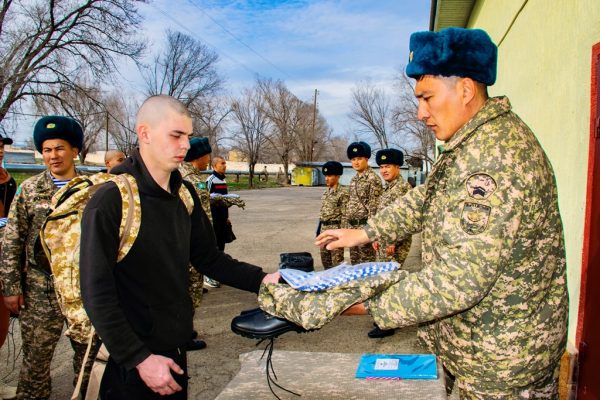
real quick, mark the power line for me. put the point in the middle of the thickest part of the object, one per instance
(239, 40)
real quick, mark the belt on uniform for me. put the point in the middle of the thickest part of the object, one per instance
(357, 222)
(330, 221)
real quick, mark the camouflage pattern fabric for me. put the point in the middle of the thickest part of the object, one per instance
(364, 191)
(333, 204)
(192, 175)
(312, 310)
(393, 190)
(41, 321)
(225, 201)
(492, 293)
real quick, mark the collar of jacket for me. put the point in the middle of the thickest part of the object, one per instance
(394, 182)
(46, 184)
(136, 167)
(365, 173)
(218, 175)
(493, 107)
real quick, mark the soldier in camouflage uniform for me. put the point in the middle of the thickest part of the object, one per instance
(196, 160)
(492, 294)
(28, 287)
(363, 198)
(333, 204)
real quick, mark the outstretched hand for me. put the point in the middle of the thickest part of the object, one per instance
(155, 371)
(338, 238)
(272, 278)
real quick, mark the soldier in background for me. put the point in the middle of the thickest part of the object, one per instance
(492, 296)
(112, 158)
(333, 204)
(28, 287)
(390, 161)
(196, 160)
(364, 191)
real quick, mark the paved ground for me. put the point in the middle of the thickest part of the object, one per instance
(274, 221)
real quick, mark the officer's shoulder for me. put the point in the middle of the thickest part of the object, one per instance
(33, 182)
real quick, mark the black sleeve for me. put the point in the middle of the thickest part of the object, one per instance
(98, 258)
(210, 261)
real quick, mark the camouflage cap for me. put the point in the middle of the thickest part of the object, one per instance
(359, 149)
(57, 127)
(389, 156)
(333, 168)
(453, 52)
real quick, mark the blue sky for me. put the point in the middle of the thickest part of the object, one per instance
(328, 45)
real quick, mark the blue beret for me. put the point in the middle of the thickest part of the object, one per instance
(359, 149)
(57, 127)
(389, 156)
(199, 147)
(333, 168)
(453, 52)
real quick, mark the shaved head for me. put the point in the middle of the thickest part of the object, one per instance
(110, 154)
(154, 109)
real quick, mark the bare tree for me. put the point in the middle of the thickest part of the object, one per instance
(418, 140)
(250, 133)
(312, 133)
(283, 110)
(82, 102)
(185, 70)
(122, 114)
(371, 111)
(45, 44)
(210, 117)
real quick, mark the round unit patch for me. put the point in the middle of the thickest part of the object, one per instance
(480, 186)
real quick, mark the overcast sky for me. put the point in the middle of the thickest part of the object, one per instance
(328, 45)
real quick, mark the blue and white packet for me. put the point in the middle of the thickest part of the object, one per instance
(320, 280)
(3, 222)
(397, 366)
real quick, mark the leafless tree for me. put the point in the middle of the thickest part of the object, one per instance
(185, 70)
(122, 113)
(418, 141)
(370, 110)
(282, 108)
(47, 44)
(82, 102)
(312, 134)
(336, 149)
(210, 117)
(251, 127)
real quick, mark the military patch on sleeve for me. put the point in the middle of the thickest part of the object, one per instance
(201, 185)
(480, 186)
(475, 217)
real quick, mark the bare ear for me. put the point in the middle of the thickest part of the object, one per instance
(468, 90)
(143, 133)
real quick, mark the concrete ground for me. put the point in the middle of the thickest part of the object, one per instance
(274, 221)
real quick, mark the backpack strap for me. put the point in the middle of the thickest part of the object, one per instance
(131, 211)
(186, 196)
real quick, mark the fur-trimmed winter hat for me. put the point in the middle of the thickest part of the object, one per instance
(389, 156)
(57, 127)
(359, 149)
(333, 168)
(453, 52)
(199, 147)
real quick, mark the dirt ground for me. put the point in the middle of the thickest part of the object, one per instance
(274, 221)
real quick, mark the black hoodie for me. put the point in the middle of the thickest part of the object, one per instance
(141, 305)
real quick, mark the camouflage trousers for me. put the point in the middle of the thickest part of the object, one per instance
(544, 388)
(402, 249)
(331, 258)
(41, 323)
(196, 285)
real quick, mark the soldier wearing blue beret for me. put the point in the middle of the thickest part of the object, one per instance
(491, 299)
(333, 205)
(59, 139)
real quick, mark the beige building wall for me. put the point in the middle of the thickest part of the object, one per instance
(544, 67)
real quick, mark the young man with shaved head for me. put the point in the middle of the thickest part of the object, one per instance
(140, 306)
(112, 158)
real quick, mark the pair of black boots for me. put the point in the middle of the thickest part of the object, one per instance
(256, 323)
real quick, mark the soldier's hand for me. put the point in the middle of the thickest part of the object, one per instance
(14, 304)
(390, 250)
(272, 278)
(356, 309)
(375, 246)
(155, 371)
(338, 238)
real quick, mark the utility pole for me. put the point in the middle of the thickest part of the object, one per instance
(312, 138)
(106, 131)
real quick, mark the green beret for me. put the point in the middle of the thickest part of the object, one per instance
(389, 156)
(453, 52)
(359, 149)
(57, 127)
(333, 168)
(199, 147)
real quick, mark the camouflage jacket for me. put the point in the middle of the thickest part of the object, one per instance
(492, 290)
(363, 200)
(393, 190)
(27, 214)
(333, 204)
(192, 175)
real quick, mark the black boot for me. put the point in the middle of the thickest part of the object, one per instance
(377, 332)
(260, 325)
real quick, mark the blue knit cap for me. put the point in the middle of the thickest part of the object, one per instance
(199, 147)
(453, 52)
